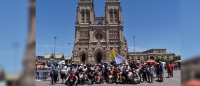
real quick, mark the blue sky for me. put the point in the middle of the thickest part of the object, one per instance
(190, 28)
(155, 23)
(13, 30)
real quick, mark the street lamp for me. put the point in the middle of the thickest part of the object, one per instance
(134, 46)
(55, 44)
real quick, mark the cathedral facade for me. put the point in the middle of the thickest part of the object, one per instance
(95, 36)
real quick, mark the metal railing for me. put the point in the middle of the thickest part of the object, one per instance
(42, 73)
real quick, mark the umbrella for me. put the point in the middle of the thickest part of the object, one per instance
(150, 61)
(62, 62)
(192, 83)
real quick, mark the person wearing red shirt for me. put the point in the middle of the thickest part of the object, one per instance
(170, 68)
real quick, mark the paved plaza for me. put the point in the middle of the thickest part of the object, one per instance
(175, 81)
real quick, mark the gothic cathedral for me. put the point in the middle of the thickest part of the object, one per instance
(96, 36)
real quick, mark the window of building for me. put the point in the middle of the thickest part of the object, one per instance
(115, 14)
(82, 17)
(87, 17)
(111, 17)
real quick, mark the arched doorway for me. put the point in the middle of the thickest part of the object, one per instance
(83, 58)
(152, 58)
(99, 57)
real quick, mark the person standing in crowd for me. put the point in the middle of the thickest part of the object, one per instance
(151, 72)
(62, 73)
(144, 73)
(170, 70)
(105, 72)
(161, 71)
(75, 68)
(56, 72)
(52, 75)
(53, 66)
(110, 77)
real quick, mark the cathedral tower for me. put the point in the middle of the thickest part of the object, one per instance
(95, 36)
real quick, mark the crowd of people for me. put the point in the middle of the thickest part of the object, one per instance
(124, 73)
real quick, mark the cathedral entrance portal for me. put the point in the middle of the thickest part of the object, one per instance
(99, 57)
(83, 58)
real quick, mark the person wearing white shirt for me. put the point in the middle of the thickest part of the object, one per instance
(136, 77)
(83, 78)
(84, 68)
(63, 73)
(130, 76)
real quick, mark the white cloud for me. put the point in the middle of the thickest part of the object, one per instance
(137, 49)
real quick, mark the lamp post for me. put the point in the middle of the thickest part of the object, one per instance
(134, 46)
(69, 51)
(55, 44)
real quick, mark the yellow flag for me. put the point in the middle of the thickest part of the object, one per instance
(113, 54)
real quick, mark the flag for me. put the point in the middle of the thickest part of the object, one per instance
(119, 59)
(113, 54)
(116, 57)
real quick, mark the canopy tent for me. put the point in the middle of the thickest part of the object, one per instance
(178, 61)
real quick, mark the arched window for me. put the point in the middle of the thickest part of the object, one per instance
(82, 17)
(83, 58)
(87, 17)
(115, 16)
(111, 17)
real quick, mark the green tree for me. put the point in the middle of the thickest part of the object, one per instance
(158, 59)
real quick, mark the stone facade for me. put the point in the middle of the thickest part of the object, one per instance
(190, 69)
(151, 54)
(96, 36)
